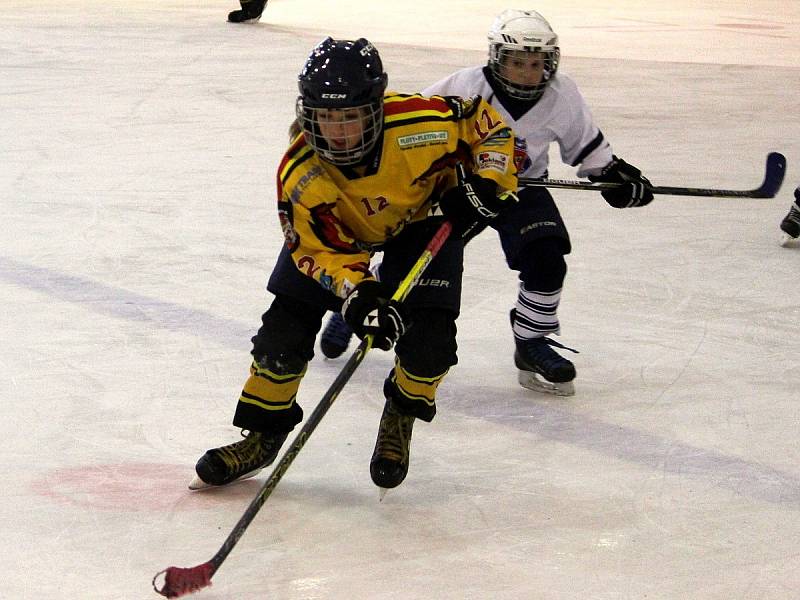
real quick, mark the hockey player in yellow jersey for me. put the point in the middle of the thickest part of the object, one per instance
(362, 175)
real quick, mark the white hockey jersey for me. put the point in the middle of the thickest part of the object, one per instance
(561, 115)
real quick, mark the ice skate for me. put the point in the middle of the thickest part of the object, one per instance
(249, 13)
(791, 222)
(335, 337)
(542, 369)
(389, 465)
(237, 461)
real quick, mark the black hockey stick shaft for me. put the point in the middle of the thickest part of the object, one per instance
(773, 178)
(179, 581)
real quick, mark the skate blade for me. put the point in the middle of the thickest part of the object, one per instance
(197, 484)
(788, 240)
(530, 381)
(382, 493)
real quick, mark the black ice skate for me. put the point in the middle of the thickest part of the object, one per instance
(389, 464)
(335, 337)
(791, 223)
(542, 369)
(240, 460)
(250, 12)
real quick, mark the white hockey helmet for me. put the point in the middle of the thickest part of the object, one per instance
(526, 31)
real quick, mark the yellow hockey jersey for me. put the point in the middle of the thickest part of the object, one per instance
(333, 218)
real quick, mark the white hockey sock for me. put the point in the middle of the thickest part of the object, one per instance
(537, 314)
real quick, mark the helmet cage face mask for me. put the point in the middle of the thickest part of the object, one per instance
(515, 31)
(352, 132)
(501, 53)
(340, 107)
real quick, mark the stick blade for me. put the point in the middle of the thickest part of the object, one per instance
(179, 581)
(773, 178)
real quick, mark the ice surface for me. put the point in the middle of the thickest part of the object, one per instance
(138, 147)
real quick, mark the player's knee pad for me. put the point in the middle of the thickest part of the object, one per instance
(289, 329)
(543, 267)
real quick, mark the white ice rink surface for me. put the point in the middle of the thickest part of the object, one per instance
(138, 147)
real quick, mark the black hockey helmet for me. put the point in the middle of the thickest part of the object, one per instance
(342, 74)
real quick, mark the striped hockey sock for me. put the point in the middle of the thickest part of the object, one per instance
(536, 314)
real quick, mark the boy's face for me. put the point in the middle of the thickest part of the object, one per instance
(521, 67)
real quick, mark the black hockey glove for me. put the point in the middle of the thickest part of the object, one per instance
(473, 203)
(369, 310)
(634, 192)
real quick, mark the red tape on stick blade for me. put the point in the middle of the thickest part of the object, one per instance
(179, 582)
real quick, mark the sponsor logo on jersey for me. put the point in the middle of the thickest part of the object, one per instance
(429, 138)
(494, 161)
(302, 184)
(498, 138)
(500, 134)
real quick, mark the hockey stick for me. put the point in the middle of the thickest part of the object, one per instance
(773, 178)
(180, 581)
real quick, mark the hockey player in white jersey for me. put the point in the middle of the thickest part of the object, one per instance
(521, 81)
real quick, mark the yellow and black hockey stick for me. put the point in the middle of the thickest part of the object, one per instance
(179, 581)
